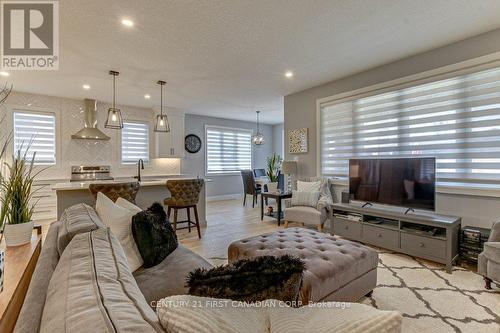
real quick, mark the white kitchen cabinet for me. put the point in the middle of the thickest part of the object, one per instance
(171, 145)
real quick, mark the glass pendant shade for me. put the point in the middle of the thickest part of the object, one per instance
(114, 120)
(161, 124)
(258, 139)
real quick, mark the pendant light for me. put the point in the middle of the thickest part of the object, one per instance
(258, 139)
(114, 120)
(162, 124)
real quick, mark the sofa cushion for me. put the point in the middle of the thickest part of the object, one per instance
(250, 280)
(154, 235)
(304, 213)
(31, 313)
(191, 314)
(168, 277)
(92, 289)
(76, 219)
(118, 217)
(309, 199)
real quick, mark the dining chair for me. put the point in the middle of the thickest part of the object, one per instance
(259, 172)
(249, 186)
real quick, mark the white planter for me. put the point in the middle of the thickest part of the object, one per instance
(272, 187)
(18, 234)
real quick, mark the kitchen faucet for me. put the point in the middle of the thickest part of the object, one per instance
(140, 166)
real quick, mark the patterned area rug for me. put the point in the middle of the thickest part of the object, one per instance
(432, 300)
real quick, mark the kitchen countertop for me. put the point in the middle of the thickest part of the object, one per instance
(157, 181)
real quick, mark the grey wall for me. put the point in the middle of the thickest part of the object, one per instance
(194, 164)
(278, 143)
(300, 111)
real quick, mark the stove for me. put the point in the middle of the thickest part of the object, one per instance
(84, 173)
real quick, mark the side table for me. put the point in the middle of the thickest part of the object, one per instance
(278, 196)
(20, 262)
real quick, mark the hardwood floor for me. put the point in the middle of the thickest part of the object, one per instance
(227, 221)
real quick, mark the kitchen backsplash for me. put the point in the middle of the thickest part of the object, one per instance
(82, 152)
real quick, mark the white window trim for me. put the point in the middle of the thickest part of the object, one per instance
(441, 73)
(147, 165)
(11, 109)
(236, 173)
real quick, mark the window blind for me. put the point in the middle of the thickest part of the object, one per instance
(135, 142)
(456, 120)
(228, 150)
(38, 132)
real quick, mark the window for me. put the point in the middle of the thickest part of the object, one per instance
(229, 150)
(135, 142)
(457, 120)
(36, 130)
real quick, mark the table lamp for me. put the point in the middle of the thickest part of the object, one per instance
(289, 168)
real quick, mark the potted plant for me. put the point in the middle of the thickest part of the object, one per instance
(273, 168)
(17, 199)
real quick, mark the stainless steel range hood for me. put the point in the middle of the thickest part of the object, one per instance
(90, 131)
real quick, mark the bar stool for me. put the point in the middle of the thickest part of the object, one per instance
(127, 191)
(185, 194)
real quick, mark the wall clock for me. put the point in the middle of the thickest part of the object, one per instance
(192, 143)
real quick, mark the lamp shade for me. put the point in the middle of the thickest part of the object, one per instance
(289, 167)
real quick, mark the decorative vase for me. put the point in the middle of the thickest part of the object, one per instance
(272, 187)
(2, 269)
(18, 234)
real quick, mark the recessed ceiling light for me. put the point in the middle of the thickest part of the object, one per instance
(86, 87)
(147, 96)
(4, 74)
(289, 74)
(127, 23)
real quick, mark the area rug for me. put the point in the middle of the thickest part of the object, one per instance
(432, 300)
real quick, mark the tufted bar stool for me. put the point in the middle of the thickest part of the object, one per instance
(185, 194)
(127, 191)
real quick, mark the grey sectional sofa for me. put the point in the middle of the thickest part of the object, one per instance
(166, 279)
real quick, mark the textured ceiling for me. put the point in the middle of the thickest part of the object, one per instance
(227, 58)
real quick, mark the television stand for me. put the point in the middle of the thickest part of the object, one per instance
(426, 235)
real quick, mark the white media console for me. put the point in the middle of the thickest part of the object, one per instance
(425, 235)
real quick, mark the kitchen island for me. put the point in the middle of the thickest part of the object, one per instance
(151, 190)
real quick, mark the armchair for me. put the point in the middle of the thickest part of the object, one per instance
(316, 216)
(489, 260)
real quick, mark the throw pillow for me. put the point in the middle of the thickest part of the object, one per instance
(305, 198)
(308, 186)
(154, 235)
(118, 217)
(191, 314)
(250, 280)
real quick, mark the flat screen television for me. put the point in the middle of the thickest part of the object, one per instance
(406, 182)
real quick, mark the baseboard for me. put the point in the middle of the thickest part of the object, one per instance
(224, 197)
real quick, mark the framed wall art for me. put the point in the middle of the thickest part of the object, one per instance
(297, 141)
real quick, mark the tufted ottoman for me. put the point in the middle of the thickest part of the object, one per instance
(336, 269)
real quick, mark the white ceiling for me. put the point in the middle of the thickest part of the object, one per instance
(227, 58)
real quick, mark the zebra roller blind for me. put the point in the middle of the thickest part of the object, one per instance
(229, 150)
(135, 142)
(456, 120)
(36, 130)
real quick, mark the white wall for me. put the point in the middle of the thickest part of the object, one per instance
(300, 111)
(83, 152)
(194, 164)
